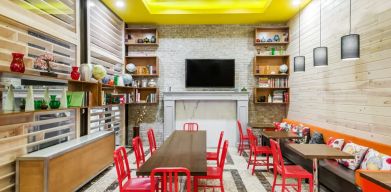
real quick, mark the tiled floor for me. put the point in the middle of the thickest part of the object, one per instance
(236, 176)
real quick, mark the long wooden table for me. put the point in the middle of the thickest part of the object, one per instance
(182, 149)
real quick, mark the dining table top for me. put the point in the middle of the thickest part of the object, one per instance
(182, 149)
(261, 126)
(319, 151)
(280, 135)
(382, 179)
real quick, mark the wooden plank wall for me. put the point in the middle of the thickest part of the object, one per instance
(352, 97)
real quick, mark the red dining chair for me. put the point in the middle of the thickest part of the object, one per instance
(214, 172)
(151, 140)
(288, 171)
(138, 151)
(190, 127)
(215, 155)
(172, 173)
(125, 182)
(242, 139)
(256, 150)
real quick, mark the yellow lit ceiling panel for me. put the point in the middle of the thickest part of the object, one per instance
(205, 11)
(206, 6)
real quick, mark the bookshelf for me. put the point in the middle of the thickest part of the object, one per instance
(146, 62)
(272, 86)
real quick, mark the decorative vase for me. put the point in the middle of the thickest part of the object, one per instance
(152, 83)
(63, 100)
(46, 96)
(75, 75)
(9, 102)
(86, 72)
(54, 104)
(153, 39)
(17, 64)
(136, 131)
(30, 99)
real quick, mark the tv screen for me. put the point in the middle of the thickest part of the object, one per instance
(210, 73)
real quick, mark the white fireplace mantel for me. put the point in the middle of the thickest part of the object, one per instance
(170, 98)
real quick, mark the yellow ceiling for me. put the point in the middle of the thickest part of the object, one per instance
(205, 11)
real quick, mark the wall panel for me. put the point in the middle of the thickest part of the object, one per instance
(353, 97)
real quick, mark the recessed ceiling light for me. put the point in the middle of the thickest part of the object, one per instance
(91, 4)
(119, 3)
(296, 2)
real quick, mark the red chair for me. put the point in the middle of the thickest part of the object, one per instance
(215, 155)
(242, 139)
(288, 171)
(190, 127)
(172, 173)
(138, 151)
(151, 140)
(214, 172)
(256, 150)
(125, 182)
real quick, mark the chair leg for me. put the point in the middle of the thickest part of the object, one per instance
(222, 184)
(241, 147)
(274, 181)
(254, 162)
(195, 184)
(249, 160)
(299, 185)
(267, 162)
(283, 184)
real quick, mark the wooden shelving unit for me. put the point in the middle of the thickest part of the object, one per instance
(147, 65)
(267, 36)
(266, 68)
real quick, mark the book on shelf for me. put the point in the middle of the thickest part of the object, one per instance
(278, 96)
(78, 99)
(265, 82)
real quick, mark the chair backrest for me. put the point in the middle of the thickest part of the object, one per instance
(151, 140)
(278, 160)
(170, 175)
(223, 155)
(190, 127)
(138, 151)
(240, 128)
(219, 144)
(251, 137)
(121, 165)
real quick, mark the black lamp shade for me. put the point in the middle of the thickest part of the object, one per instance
(299, 64)
(350, 47)
(320, 57)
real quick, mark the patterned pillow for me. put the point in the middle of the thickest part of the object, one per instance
(376, 161)
(335, 143)
(358, 151)
(285, 126)
(277, 125)
(317, 138)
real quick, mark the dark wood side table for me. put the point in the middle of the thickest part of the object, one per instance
(316, 152)
(280, 135)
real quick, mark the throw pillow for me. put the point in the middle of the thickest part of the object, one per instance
(376, 161)
(358, 151)
(335, 143)
(277, 125)
(317, 138)
(285, 126)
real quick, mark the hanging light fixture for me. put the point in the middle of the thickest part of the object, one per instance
(350, 44)
(320, 53)
(299, 61)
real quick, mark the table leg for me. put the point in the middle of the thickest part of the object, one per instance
(315, 174)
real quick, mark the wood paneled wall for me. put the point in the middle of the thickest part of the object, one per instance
(352, 97)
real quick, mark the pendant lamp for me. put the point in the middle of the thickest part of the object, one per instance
(299, 61)
(320, 53)
(350, 44)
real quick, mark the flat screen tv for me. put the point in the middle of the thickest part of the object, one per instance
(210, 73)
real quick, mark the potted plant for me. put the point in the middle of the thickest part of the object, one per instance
(44, 105)
(140, 118)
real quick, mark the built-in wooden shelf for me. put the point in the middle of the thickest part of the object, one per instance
(271, 55)
(266, 33)
(268, 103)
(271, 75)
(272, 88)
(142, 44)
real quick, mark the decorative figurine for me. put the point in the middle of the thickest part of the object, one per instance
(276, 38)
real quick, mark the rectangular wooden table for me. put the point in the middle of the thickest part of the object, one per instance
(316, 152)
(182, 149)
(382, 179)
(280, 135)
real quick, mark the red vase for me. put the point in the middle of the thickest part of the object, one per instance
(75, 73)
(17, 64)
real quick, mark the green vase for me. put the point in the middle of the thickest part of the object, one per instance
(54, 104)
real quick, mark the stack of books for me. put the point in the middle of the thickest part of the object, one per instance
(151, 98)
(265, 82)
(278, 96)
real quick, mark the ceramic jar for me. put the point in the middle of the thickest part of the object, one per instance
(75, 75)
(17, 64)
(152, 83)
